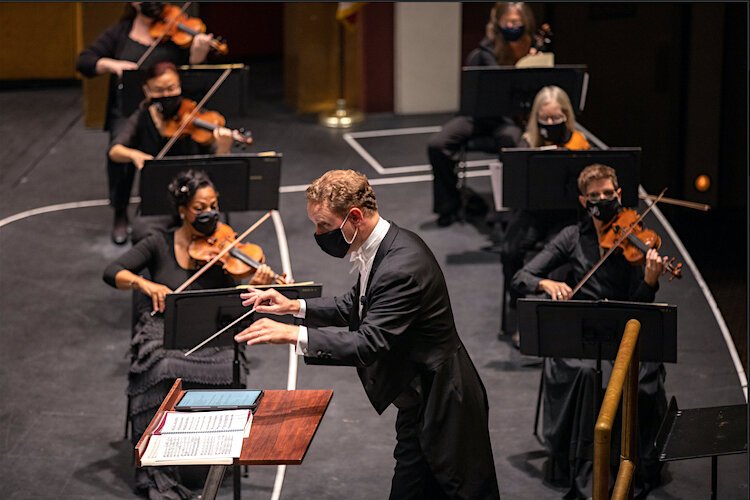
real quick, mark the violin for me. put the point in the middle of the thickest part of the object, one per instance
(173, 24)
(241, 261)
(638, 241)
(202, 125)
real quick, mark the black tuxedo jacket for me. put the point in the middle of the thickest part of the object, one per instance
(406, 350)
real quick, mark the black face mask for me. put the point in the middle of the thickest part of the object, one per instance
(334, 242)
(167, 106)
(604, 210)
(556, 134)
(512, 34)
(206, 222)
(152, 9)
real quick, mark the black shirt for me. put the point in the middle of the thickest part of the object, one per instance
(578, 245)
(156, 253)
(141, 133)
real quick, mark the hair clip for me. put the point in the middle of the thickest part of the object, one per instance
(184, 189)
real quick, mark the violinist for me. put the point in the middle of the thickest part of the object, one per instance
(118, 49)
(569, 384)
(166, 258)
(145, 132)
(508, 38)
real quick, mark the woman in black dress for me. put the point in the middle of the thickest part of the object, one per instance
(153, 369)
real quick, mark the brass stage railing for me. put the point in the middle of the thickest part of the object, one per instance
(624, 376)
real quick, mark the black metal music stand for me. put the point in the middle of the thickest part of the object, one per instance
(592, 329)
(231, 99)
(492, 91)
(703, 432)
(192, 316)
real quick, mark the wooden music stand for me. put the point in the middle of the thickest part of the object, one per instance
(283, 428)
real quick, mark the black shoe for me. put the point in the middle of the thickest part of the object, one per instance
(120, 231)
(446, 220)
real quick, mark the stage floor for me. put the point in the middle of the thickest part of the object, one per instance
(64, 333)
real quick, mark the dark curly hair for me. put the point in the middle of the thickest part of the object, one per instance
(184, 186)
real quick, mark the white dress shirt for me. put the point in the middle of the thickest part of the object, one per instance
(362, 260)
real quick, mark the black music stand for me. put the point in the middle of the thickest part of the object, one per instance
(537, 179)
(231, 99)
(245, 181)
(702, 432)
(592, 329)
(192, 316)
(491, 92)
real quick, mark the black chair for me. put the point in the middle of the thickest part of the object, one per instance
(483, 144)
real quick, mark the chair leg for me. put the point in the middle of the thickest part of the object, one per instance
(127, 419)
(539, 403)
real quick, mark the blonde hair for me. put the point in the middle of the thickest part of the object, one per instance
(503, 54)
(544, 96)
(342, 190)
(596, 172)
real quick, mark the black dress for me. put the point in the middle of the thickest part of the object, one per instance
(570, 384)
(154, 369)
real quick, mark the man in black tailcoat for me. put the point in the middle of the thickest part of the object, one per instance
(401, 337)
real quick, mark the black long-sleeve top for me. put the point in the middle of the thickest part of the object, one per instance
(578, 245)
(114, 43)
(156, 253)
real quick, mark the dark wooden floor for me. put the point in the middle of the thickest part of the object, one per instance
(64, 333)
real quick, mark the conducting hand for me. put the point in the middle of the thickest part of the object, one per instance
(269, 301)
(654, 267)
(268, 331)
(556, 289)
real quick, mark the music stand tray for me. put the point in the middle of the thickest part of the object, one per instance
(191, 316)
(702, 432)
(592, 329)
(491, 92)
(245, 181)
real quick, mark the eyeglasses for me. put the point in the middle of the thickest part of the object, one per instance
(607, 194)
(552, 120)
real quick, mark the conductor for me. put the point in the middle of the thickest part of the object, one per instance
(401, 337)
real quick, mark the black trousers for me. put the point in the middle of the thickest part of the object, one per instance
(442, 147)
(119, 175)
(412, 477)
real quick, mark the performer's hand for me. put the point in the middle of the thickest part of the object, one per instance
(139, 158)
(200, 47)
(155, 291)
(263, 276)
(269, 301)
(223, 140)
(114, 66)
(268, 331)
(556, 289)
(654, 267)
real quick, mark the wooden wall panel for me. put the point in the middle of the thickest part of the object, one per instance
(39, 40)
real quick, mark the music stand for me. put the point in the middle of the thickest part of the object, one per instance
(537, 179)
(231, 99)
(702, 432)
(592, 329)
(491, 92)
(244, 181)
(192, 316)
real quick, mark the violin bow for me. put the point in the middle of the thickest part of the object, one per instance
(158, 40)
(617, 242)
(223, 252)
(187, 119)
